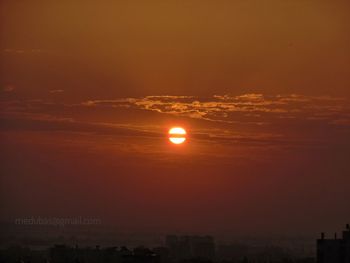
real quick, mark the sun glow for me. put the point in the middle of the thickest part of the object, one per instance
(177, 135)
(177, 140)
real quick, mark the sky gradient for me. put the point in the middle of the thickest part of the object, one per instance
(89, 89)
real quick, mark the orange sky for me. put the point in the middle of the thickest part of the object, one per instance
(89, 89)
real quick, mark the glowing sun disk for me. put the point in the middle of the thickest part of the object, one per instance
(177, 140)
(177, 130)
(177, 135)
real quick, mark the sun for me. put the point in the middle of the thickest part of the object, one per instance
(177, 135)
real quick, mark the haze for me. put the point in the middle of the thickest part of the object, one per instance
(89, 90)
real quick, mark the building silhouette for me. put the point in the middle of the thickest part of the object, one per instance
(187, 247)
(67, 254)
(335, 250)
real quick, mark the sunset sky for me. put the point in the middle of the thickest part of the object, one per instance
(89, 89)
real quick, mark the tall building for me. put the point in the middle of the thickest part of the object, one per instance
(336, 250)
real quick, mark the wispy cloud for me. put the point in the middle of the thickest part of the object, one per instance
(250, 119)
(23, 51)
(230, 109)
(54, 91)
(8, 88)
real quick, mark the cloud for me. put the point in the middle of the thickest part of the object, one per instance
(45, 123)
(255, 120)
(23, 51)
(255, 109)
(230, 109)
(54, 91)
(8, 88)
